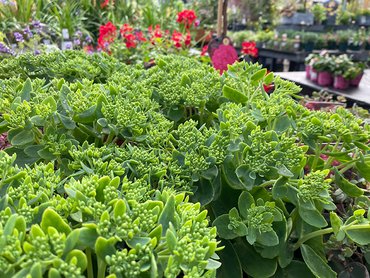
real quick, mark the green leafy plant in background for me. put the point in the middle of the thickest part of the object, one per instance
(122, 161)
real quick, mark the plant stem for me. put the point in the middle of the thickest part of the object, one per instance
(311, 235)
(90, 270)
(101, 268)
(328, 231)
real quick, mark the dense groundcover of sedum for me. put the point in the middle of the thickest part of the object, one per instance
(119, 171)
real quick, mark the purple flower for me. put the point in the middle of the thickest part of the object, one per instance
(78, 34)
(7, 2)
(5, 49)
(27, 31)
(76, 42)
(88, 39)
(4, 143)
(18, 37)
(68, 45)
(37, 26)
(37, 52)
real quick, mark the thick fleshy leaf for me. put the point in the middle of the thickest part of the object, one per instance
(234, 95)
(52, 219)
(252, 263)
(316, 264)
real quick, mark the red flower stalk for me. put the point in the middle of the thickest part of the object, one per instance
(186, 17)
(104, 4)
(249, 48)
(204, 50)
(187, 39)
(130, 40)
(107, 35)
(155, 34)
(177, 38)
(140, 36)
(126, 28)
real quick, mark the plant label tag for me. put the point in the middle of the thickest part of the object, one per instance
(65, 34)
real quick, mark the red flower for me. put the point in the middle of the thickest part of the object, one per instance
(107, 34)
(223, 56)
(155, 34)
(126, 28)
(140, 36)
(204, 50)
(186, 17)
(130, 40)
(188, 39)
(249, 48)
(177, 38)
(268, 88)
(104, 4)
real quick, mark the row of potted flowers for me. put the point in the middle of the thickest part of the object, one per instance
(337, 71)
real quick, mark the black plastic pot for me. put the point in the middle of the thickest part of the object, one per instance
(332, 45)
(308, 46)
(343, 46)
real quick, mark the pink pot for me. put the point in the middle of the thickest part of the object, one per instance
(308, 71)
(340, 83)
(324, 78)
(356, 81)
(313, 75)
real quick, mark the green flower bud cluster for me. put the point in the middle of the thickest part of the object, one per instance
(267, 149)
(315, 186)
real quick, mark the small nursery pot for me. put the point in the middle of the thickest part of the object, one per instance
(340, 82)
(308, 71)
(313, 75)
(324, 78)
(356, 81)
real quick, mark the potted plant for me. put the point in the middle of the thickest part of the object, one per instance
(324, 67)
(341, 78)
(308, 41)
(310, 59)
(319, 13)
(354, 74)
(342, 40)
(331, 41)
(363, 17)
(344, 17)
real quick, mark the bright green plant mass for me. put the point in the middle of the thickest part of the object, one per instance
(174, 171)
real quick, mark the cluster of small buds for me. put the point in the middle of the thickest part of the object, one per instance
(69, 270)
(130, 263)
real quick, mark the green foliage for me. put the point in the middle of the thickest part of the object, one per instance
(110, 172)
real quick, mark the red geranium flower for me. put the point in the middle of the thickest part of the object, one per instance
(155, 34)
(126, 28)
(204, 50)
(140, 36)
(107, 34)
(188, 39)
(177, 38)
(104, 4)
(249, 48)
(130, 40)
(186, 17)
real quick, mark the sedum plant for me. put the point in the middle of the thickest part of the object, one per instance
(129, 160)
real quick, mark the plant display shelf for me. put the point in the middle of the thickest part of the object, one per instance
(269, 57)
(359, 95)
